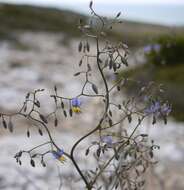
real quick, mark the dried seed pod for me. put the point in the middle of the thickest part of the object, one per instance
(118, 14)
(87, 152)
(25, 108)
(89, 67)
(40, 132)
(20, 163)
(80, 21)
(4, 123)
(110, 113)
(37, 103)
(55, 89)
(32, 162)
(62, 105)
(110, 122)
(64, 112)
(154, 120)
(10, 126)
(43, 118)
(43, 163)
(70, 112)
(95, 89)
(114, 66)
(110, 64)
(129, 118)
(28, 133)
(99, 60)
(80, 47)
(118, 88)
(124, 61)
(34, 156)
(80, 62)
(27, 96)
(87, 46)
(98, 152)
(55, 122)
(91, 4)
(76, 74)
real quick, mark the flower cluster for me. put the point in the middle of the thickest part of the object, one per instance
(59, 155)
(166, 109)
(158, 109)
(107, 139)
(76, 103)
(150, 48)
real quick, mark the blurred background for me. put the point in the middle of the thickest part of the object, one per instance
(38, 49)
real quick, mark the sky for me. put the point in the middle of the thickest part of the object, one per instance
(166, 12)
(70, 2)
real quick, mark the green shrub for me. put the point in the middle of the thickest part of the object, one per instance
(168, 50)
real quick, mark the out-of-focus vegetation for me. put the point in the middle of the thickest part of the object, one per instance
(137, 34)
(22, 17)
(27, 18)
(165, 65)
(168, 50)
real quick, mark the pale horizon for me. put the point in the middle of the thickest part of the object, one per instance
(165, 12)
(52, 2)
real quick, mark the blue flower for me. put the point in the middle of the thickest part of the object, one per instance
(156, 47)
(76, 105)
(153, 108)
(107, 140)
(59, 155)
(76, 102)
(166, 109)
(147, 49)
(158, 110)
(153, 47)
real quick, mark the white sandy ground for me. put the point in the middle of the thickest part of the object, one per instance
(47, 63)
(15, 177)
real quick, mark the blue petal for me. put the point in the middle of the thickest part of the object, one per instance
(76, 102)
(107, 140)
(60, 152)
(55, 154)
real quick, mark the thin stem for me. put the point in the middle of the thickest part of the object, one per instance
(98, 127)
(120, 147)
